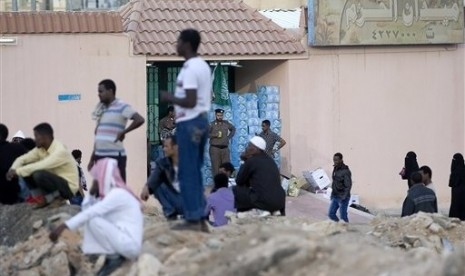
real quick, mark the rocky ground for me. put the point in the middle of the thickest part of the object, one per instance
(424, 244)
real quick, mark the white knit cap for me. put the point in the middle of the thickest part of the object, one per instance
(19, 134)
(259, 142)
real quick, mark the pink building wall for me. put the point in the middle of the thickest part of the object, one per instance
(373, 105)
(40, 67)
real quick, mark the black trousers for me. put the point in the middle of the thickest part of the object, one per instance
(245, 199)
(49, 183)
(121, 159)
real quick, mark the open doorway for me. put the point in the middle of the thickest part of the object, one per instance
(161, 76)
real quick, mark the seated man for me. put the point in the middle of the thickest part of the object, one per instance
(163, 181)
(258, 181)
(228, 169)
(111, 216)
(9, 189)
(419, 198)
(49, 169)
(220, 201)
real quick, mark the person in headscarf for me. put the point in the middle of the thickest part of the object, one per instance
(111, 216)
(457, 183)
(410, 166)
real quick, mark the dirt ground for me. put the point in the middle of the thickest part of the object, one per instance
(424, 244)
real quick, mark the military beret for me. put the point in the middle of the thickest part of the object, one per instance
(219, 110)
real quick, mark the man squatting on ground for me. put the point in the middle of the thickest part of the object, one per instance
(49, 170)
(112, 218)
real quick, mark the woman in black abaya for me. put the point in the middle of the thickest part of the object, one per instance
(457, 183)
(410, 166)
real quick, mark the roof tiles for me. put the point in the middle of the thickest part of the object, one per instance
(60, 22)
(227, 27)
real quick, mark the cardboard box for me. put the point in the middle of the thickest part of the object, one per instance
(318, 178)
(354, 199)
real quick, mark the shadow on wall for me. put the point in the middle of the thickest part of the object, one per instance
(313, 157)
(254, 73)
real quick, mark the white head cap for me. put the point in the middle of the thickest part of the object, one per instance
(259, 142)
(19, 134)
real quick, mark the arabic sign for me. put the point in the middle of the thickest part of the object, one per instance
(384, 22)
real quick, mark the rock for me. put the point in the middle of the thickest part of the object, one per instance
(147, 265)
(33, 257)
(214, 244)
(30, 272)
(58, 247)
(17, 221)
(325, 228)
(453, 265)
(36, 225)
(435, 228)
(56, 265)
(165, 240)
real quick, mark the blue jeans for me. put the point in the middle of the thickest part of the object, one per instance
(191, 137)
(76, 199)
(170, 201)
(342, 205)
(24, 190)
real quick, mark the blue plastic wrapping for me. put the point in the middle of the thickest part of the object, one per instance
(269, 115)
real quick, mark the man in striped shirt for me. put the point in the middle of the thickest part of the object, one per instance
(112, 115)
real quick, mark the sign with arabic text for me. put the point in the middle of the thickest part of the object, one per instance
(384, 22)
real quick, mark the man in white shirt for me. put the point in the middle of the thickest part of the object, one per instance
(111, 216)
(192, 100)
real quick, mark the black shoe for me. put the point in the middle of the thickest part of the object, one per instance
(112, 263)
(172, 217)
(196, 225)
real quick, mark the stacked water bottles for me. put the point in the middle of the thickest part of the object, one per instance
(246, 113)
(268, 104)
(246, 121)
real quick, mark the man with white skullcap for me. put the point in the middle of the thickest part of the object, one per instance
(18, 137)
(258, 181)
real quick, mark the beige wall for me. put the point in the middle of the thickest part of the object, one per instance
(255, 73)
(373, 105)
(40, 67)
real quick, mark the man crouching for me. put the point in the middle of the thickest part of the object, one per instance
(111, 216)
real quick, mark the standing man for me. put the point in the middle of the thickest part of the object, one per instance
(221, 132)
(112, 115)
(167, 125)
(271, 138)
(342, 184)
(192, 100)
(49, 169)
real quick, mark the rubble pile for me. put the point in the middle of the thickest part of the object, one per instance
(430, 231)
(423, 244)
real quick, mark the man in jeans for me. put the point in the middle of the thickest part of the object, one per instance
(342, 184)
(192, 100)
